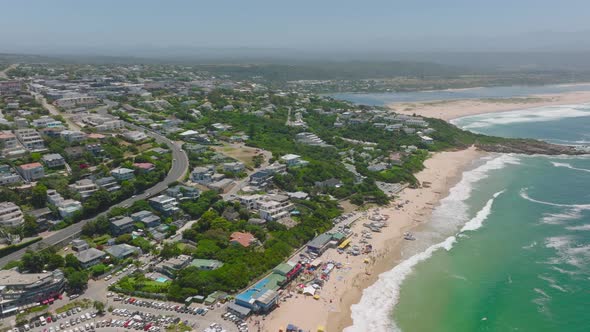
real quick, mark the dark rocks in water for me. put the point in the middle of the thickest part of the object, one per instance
(530, 147)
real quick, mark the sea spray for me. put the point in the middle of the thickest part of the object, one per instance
(372, 313)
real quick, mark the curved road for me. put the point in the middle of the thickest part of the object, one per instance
(179, 168)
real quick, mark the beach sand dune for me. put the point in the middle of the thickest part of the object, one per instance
(448, 110)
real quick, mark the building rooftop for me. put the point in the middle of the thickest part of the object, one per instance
(30, 166)
(90, 254)
(244, 239)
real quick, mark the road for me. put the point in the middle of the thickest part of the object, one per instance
(53, 110)
(3, 72)
(179, 168)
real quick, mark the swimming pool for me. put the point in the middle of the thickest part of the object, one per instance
(161, 279)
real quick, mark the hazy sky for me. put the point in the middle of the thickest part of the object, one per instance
(78, 25)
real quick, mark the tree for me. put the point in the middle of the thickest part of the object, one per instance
(30, 226)
(33, 262)
(39, 196)
(170, 250)
(77, 280)
(55, 261)
(72, 262)
(99, 306)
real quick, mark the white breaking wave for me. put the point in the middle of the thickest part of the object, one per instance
(566, 165)
(373, 311)
(539, 114)
(560, 218)
(567, 252)
(524, 195)
(579, 228)
(481, 216)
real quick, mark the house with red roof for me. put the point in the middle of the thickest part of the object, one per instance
(144, 167)
(32, 171)
(243, 239)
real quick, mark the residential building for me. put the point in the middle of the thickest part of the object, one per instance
(72, 136)
(135, 136)
(90, 257)
(221, 186)
(183, 192)
(121, 225)
(95, 149)
(24, 290)
(8, 175)
(123, 250)
(68, 207)
(31, 172)
(46, 122)
(426, 139)
(76, 101)
(206, 264)
(171, 266)
(8, 141)
(30, 139)
(164, 204)
(144, 167)
(330, 183)
(10, 87)
(149, 219)
(122, 174)
(293, 160)
(243, 239)
(108, 183)
(202, 175)
(53, 160)
(84, 187)
(10, 215)
(79, 245)
(235, 167)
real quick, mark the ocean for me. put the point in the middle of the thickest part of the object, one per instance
(382, 99)
(507, 250)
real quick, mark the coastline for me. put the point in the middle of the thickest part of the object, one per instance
(452, 109)
(333, 310)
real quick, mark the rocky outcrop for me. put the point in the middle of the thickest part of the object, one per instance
(530, 147)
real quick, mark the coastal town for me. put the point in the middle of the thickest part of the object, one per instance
(129, 186)
(163, 197)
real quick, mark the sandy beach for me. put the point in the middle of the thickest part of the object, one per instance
(344, 288)
(448, 110)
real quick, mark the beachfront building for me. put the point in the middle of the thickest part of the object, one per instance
(10, 215)
(20, 290)
(321, 243)
(260, 298)
(31, 172)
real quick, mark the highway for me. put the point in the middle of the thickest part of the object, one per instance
(179, 168)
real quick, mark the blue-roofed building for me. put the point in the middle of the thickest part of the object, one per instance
(263, 296)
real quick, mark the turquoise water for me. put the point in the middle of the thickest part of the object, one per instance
(507, 250)
(381, 99)
(161, 279)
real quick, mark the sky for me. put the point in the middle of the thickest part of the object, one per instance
(128, 26)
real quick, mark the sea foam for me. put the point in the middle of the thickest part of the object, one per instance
(373, 311)
(538, 114)
(566, 165)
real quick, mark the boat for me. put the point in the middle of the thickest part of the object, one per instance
(409, 236)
